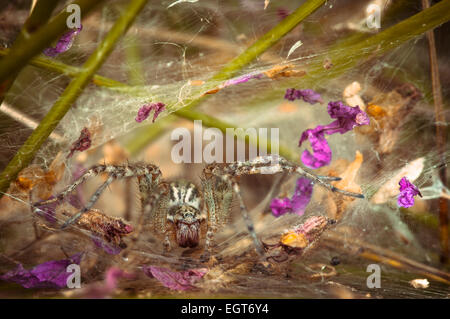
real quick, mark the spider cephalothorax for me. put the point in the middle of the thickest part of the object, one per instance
(184, 212)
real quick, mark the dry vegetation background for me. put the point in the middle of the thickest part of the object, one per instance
(164, 51)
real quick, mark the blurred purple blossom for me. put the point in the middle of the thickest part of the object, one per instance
(296, 205)
(407, 192)
(64, 43)
(108, 286)
(308, 95)
(145, 110)
(51, 274)
(175, 280)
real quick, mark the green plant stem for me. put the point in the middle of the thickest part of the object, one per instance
(346, 57)
(38, 17)
(39, 40)
(210, 121)
(267, 40)
(68, 70)
(26, 153)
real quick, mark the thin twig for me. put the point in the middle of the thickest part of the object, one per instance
(25, 120)
(441, 136)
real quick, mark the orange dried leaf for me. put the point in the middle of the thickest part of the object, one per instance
(294, 240)
(196, 82)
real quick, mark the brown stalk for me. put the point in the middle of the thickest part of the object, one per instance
(372, 252)
(441, 136)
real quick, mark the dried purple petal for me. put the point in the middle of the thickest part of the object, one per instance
(64, 43)
(296, 205)
(182, 280)
(291, 94)
(242, 79)
(302, 195)
(308, 95)
(282, 13)
(82, 143)
(407, 192)
(145, 110)
(280, 206)
(321, 155)
(51, 274)
(107, 247)
(47, 211)
(347, 118)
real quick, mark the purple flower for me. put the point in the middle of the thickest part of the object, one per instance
(145, 110)
(280, 206)
(407, 193)
(182, 280)
(321, 155)
(291, 94)
(51, 274)
(64, 43)
(347, 118)
(308, 95)
(296, 205)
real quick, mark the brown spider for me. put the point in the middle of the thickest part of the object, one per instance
(180, 208)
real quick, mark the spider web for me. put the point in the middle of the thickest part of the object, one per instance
(164, 52)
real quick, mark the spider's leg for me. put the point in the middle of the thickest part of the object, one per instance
(150, 194)
(211, 208)
(91, 202)
(148, 174)
(93, 171)
(319, 181)
(272, 164)
(248, 220)
(329, 178)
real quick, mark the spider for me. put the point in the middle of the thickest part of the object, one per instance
(179, 209)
